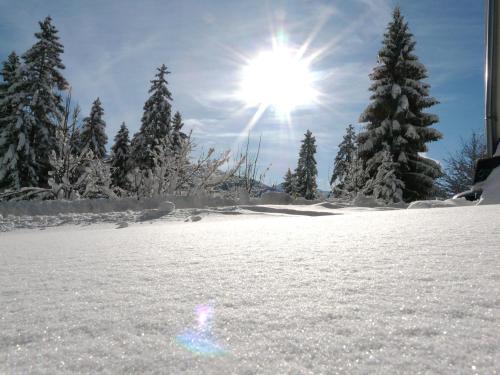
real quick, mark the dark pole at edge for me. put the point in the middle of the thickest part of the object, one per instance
(492, 78)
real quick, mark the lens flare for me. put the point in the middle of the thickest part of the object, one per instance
(200, 339)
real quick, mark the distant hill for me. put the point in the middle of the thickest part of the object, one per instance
(258, 188)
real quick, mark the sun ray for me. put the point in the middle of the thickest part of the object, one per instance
(248, 128)
(305, 46)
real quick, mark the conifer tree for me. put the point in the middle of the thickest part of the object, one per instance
(155, 122)
(396, 119)
(18, 162)
(9, 70)
(176, 134)
(306, 171)
(288, 184)
(343, 165)
(43, 83)
(120, 158)
(387, 186)
(93, 135)
(355, 180)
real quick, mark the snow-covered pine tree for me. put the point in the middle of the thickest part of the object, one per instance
(18, 159)
(155, 122)
(43, 83)
(120, 158)
(387, 186)
(289, 183)
(93, 135)
(306, 171)
(177, 136)
(396, 118)
(9, 70)
(355, 180)
(342, 167)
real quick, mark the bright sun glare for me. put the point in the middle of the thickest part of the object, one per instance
(280, 79)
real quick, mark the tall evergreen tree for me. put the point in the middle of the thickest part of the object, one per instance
(289, 183)
(155, 122)
(18, 164)
(93, 134)
(395, 118)
(120, 158)
(43, 83)
(342, 167)
(306, 171)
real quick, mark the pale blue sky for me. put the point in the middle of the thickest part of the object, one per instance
(113, 47)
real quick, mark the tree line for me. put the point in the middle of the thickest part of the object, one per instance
(46, 151)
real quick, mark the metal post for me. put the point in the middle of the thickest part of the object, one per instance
(492, 77)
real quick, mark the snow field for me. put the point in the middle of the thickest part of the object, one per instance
(361, 292)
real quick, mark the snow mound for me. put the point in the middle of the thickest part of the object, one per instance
(56, 207)
(490, 195)
(491, 188)
(275, 197)
(363, 201)
(286, 211)
(332, 205)
(305, 202)
(193, 218)
(437, 203)
(163, 209)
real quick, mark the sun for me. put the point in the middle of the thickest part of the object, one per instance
(278, 78)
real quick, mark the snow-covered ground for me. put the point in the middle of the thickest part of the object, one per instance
(362, 291)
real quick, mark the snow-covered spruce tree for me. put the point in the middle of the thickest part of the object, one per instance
(387, 187)
(395, 117)
(93, 135)
(176, 135)
(289, 183)
(120, 158)
(18, 159)
(343, 165)
(460, 166)
(355, 180)
(8, 73)
(9, 70)
(155, 122)
(306, 171)
(43, 83)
